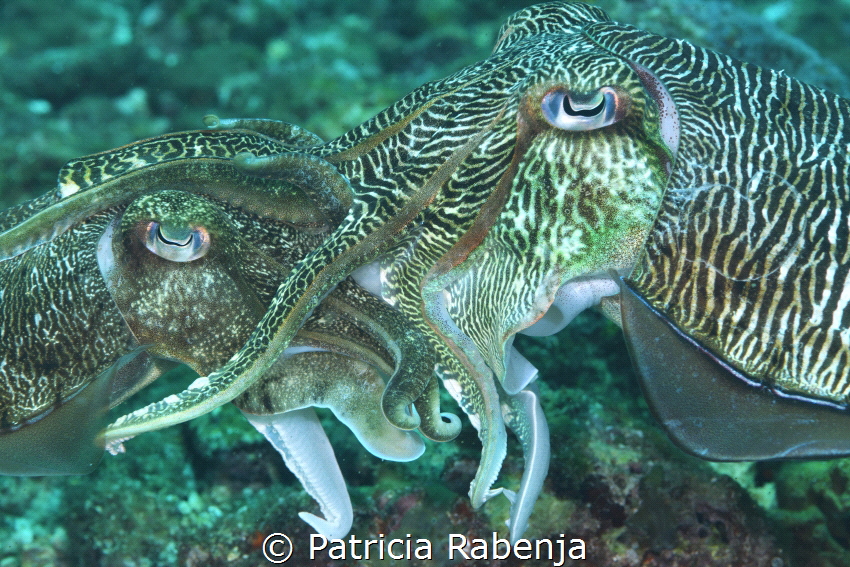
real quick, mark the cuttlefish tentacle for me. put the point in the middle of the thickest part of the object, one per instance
(400, 395)
(521, 413)
(474, 390)
(470, 382)
(299, 438)
(481, 404)
(524, 416)
(435, 425)
(352, 390)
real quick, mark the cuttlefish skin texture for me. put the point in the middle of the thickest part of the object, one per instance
(481, 181)
(159, 276)
(199, 311)
(47, 302)
(584, 161)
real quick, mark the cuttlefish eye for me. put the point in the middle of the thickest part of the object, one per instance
(568, 110)
(178, 244)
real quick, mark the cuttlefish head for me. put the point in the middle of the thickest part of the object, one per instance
(192, 277)
(589, 148)
(170, 263)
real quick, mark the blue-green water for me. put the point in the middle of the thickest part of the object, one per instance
(91, 76)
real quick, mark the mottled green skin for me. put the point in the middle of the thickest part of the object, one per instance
(48, 301)
(79, 298)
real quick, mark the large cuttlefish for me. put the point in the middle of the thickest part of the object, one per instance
(700, 201)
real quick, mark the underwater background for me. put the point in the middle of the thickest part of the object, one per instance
(86, 76)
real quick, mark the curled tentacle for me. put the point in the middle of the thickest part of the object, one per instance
(435, 425)
(399, 397)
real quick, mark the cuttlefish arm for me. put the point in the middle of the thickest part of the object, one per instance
(352, 389)
(472, 387)
(200, 160)
(279, 405)
(349, 387)
(408, 348)
(287, 133)
(300, 439)
(524, 416)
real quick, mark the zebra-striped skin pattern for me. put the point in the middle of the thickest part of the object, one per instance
(480, 208)
(750, 253)
(580, 152)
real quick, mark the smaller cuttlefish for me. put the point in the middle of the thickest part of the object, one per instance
(181, 272)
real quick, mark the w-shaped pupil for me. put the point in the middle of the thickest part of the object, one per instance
(583, 111)
(165, 240)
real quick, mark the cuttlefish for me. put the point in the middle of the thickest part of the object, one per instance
(181, 272)
(700, 202)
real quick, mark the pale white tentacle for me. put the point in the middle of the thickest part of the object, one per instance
(300, 439)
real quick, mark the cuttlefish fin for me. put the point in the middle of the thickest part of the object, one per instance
(284, 132)
(68, 439)
(714, 411)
